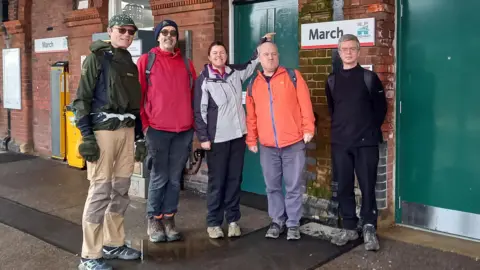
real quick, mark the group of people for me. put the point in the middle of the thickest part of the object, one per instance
(126, 112)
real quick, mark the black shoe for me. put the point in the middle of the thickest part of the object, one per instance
(370, 238)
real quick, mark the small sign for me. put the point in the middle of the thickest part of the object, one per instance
(326, 35)
(12, 88)
(369, 67)
(51, 45)
(244, 97)
(136, 48)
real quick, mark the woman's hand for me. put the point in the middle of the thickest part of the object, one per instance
(269, 36)
(205, 145)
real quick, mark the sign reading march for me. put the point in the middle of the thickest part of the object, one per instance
(326, 35)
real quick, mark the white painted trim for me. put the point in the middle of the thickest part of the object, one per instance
(231, 32)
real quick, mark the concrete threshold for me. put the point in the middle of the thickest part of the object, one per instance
(433, 240)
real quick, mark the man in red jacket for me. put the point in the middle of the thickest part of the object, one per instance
(167, 80)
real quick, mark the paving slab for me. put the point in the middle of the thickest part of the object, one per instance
(20, 251)
(402, 256)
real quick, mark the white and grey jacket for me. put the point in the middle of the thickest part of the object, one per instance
(219, 114)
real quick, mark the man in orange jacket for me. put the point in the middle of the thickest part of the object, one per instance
(280, 116)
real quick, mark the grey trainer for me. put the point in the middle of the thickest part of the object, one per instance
(170, 231)
(342, 237)
(274, 231)
(155, 230)
(370, 238)
(293, 233)
(97, 264)
(122, 253)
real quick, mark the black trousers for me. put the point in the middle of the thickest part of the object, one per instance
(225, 166)
(364, 162)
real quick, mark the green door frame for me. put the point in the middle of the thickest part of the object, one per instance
(398, 20)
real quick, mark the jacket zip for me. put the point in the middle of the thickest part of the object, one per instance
(271, 114)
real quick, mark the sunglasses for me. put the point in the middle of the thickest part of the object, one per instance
(124, 30)
(165, 33)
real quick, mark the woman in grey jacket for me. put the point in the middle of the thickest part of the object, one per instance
(221, 127)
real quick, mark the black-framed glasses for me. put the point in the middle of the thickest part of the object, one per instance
(173, 33)
(124, 30)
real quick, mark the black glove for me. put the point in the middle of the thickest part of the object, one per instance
(88, 149)
(140, 151)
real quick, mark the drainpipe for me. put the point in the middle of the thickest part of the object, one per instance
(7, 139)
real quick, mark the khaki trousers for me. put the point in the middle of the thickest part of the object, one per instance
(108, 198)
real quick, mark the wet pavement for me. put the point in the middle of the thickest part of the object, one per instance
(56, 194)
(397, 255)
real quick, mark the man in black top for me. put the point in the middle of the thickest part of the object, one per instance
(357, 105)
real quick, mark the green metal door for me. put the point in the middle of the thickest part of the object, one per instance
(252, 21)
(439, 116)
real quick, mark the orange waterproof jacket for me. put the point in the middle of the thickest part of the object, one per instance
(278, 115)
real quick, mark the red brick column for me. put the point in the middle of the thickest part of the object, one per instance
(382, 57)
(21, 120)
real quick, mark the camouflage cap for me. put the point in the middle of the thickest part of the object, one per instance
(121, 20)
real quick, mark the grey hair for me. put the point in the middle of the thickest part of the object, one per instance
(349, 37)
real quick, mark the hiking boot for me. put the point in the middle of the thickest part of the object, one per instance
(122, 253)
(170, 230)
(274, 231)
(293, 233)
(234, 230)
(342, 237)
(95, 264)
(215, 232)
(370, 238)
(155, 230)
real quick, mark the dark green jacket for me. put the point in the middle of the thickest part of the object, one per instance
(108, 84)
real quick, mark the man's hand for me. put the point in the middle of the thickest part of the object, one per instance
(140, 151)
(269, 36)
(253, 149)
(145, 131)
(88, 149)
(307, 137)
(206, 145)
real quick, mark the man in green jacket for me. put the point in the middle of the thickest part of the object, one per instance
(107, 112)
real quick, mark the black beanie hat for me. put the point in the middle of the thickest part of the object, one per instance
(163, 24)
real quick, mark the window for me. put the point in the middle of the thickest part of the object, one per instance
(139, 10)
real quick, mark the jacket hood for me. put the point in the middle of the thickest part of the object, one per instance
(207, 71)
(100, 45)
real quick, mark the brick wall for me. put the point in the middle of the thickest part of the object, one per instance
(315, 66)
(52, 16)
(195, 15)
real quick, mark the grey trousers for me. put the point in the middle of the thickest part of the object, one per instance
(289, 163)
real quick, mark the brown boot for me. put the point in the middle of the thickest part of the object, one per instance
(170, 231)
(156, 231)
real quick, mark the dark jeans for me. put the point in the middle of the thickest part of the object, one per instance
(169, 153)
(225, 166)
(364, 162)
